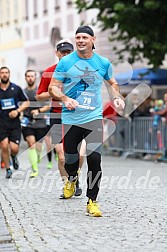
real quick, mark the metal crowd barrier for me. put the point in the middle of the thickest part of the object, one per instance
(120, 139)
(139, 135)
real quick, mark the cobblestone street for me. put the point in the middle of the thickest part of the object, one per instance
(132, 199)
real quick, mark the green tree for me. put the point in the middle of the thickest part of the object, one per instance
(141, 26)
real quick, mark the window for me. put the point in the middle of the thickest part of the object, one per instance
(69, 3)
(70, 24)
(57, 5)
(45, 29)
(26, 9)
(45, 6)
(1, 14)
(83, 17)
(15, 10)
(18, 31)
(7, 2)
(58, 22)
(55, 35)
(35, 8)
(2, 62)
(1, 10)
(27, 34)
(36, 32)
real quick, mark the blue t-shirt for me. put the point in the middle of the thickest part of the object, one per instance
(82, 80)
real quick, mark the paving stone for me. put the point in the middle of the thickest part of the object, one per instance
(132, 198)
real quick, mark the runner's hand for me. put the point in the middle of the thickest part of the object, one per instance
(35, 112)
(13, 113)
(119, 103)
(70, 103)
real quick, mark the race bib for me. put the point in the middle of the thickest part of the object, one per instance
(8, 103)
(86, 100)
(47, 118)
(24, 121)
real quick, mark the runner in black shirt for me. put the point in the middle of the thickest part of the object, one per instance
(10, 109)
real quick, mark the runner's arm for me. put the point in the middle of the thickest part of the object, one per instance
(55, 91)
(23, 106)
(161, 112)
(44, 96)
(43, 109)
(114, 92)
(16, 112)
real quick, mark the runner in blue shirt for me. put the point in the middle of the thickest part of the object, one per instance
(77, 82)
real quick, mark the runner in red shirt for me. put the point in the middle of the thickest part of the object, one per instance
(64, 47)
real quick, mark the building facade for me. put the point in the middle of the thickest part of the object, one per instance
(12, 52)
(30, 29)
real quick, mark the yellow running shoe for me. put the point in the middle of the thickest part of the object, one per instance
(69, 189)
(92, 209)
(33, 174)
(78, 172)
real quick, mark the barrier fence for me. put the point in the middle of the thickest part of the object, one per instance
(140, 135)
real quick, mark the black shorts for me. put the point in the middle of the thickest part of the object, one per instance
(47, 130)
(38, 133)
(10, 132)
(56, 130)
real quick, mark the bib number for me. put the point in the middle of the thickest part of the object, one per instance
(86, 100)
(8, 103)
(24, 121)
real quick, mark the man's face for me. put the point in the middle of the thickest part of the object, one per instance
(30, 78)
(4, 75)
(61, 54)
(84, 41)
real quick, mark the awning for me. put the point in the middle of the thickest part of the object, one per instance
(143, 75)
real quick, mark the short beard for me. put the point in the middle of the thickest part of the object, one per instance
(4, 81)
(30, 84)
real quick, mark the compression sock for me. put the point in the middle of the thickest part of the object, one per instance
(33, 158)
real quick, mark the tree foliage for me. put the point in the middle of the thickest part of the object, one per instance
(140, 25)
